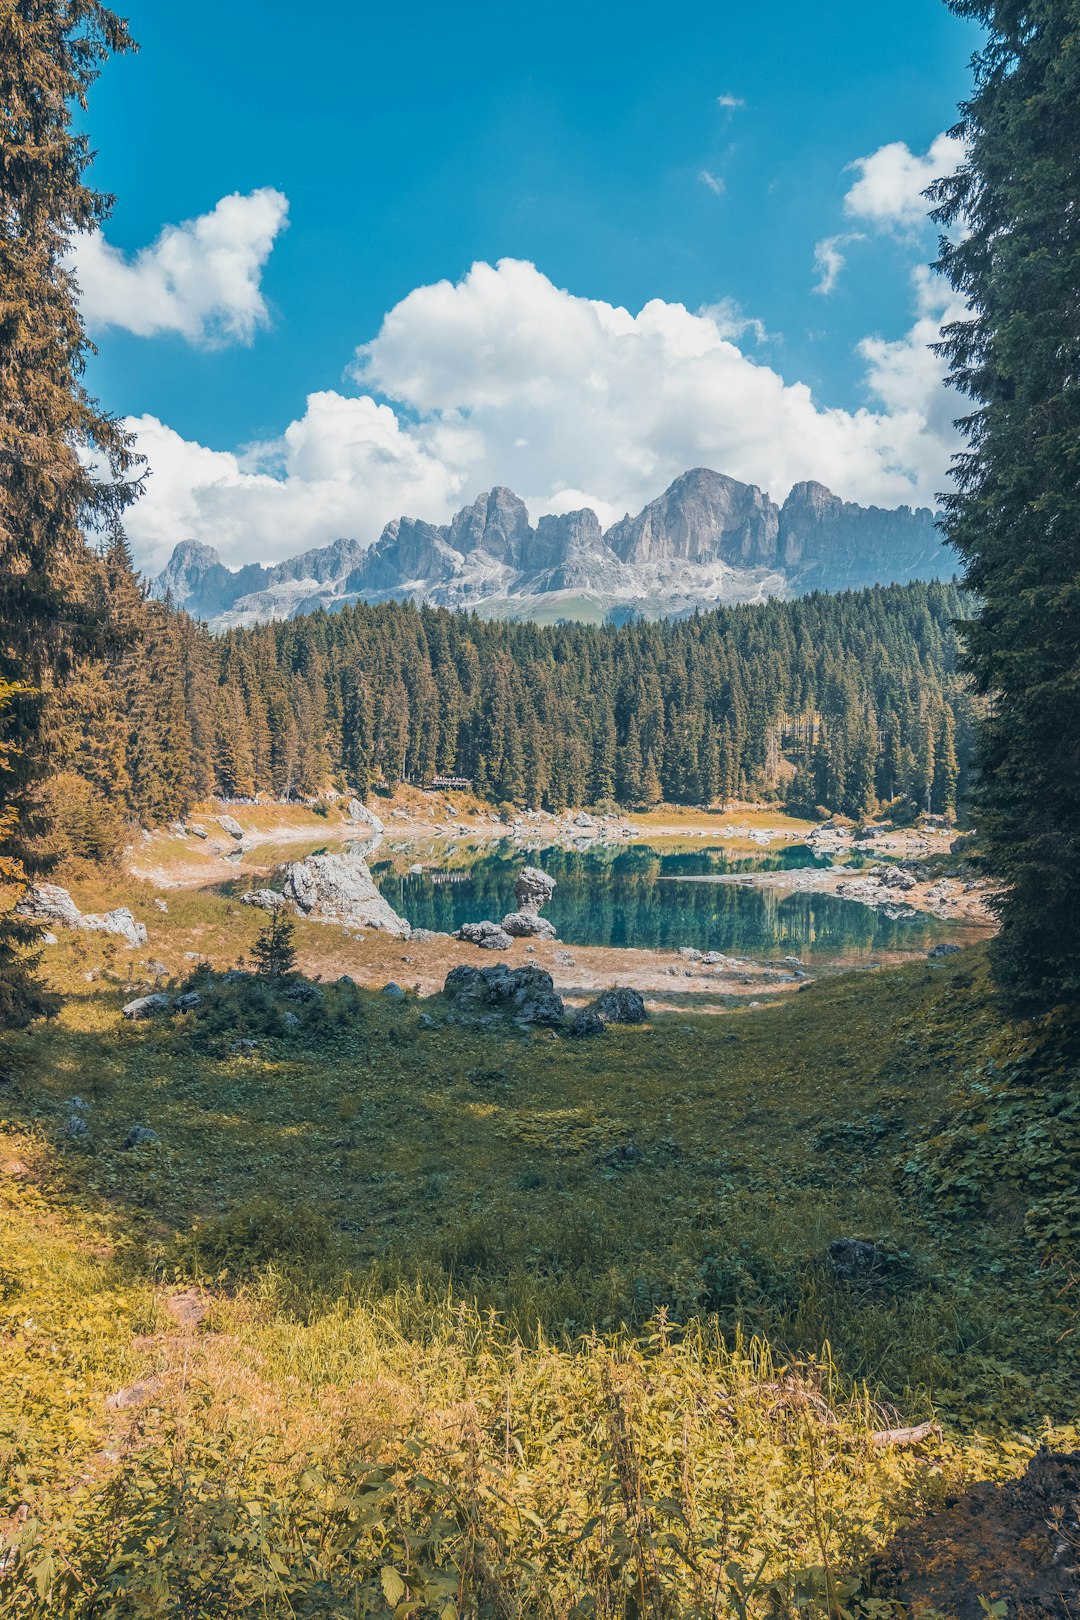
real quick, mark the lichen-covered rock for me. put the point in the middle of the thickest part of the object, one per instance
(147, 1006)
(527, 925)
(533, 889)
(488, 935)
(263, 899)
(528, 993)
(619, 1006)
(338, 888)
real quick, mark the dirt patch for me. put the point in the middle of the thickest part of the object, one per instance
(1016, 1544)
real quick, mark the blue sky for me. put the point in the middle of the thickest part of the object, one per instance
(694, 155)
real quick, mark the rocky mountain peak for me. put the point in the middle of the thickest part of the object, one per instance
(707, 539)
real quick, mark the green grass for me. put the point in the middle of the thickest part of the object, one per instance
(551, 1382)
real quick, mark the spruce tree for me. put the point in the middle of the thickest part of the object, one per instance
(1014, 516)
(64, 466)
(274, 952)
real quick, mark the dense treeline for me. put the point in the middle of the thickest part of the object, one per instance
(845, 701)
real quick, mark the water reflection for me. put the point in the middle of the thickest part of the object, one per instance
(613, 895)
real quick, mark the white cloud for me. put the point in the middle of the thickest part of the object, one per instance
(889, 191)
(829, 259)
(715, 184)
(503, 377)
(201, 279)
(730, 102)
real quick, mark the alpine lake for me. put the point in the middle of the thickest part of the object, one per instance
(651, 896)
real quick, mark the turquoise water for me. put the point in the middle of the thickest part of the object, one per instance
(626, 896)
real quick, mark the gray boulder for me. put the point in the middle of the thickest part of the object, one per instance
(231, 826)
(263, 899)
(200, 832)
(140, 1136)
(367, 818)
(586, 1022)
(394, 991)
(120, 922)
(943, 949)
(528, 925)
(48, 902)
(533, 889)
(857, 1260)
(619, 1006)
(338, 888)
(147, 1006)
(77, 1126)
(488, 935)
(187, 1002)
(528, 993)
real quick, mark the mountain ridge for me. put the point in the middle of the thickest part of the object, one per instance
(707, 540)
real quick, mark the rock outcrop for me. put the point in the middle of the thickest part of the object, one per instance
(338, 888)
(49, 903)
(527, 993)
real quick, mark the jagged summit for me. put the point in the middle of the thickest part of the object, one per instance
(708, 539)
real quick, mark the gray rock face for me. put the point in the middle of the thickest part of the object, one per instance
(147, 1006)
(338, 888)
(533, 888)
(619, 1006)
(702, 517)
(263, 899)
(707, 539)
(488, 935)
(528, 925)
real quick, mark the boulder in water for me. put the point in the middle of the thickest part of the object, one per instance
(533, 889)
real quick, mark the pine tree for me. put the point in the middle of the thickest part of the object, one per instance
(64, 465)
(274, 951)
(1014, 515)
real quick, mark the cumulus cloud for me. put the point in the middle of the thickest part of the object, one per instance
(730, 102)
(503, 377)
(889, 191)
(201, 279)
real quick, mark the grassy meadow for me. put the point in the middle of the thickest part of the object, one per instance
(401, 1316)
